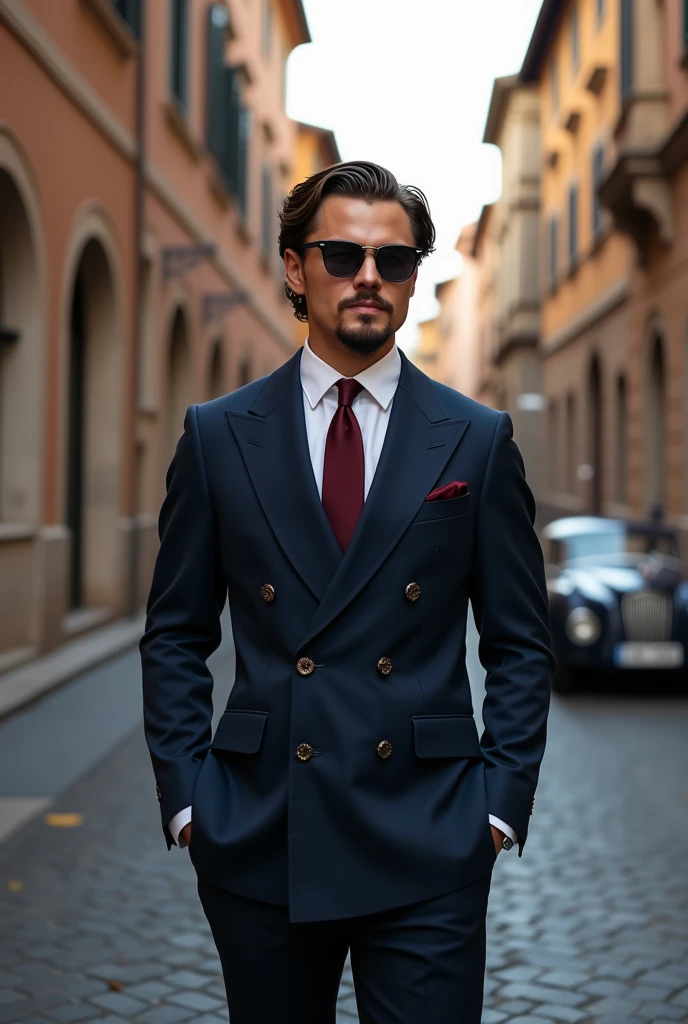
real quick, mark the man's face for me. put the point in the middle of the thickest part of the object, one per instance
(363, 311)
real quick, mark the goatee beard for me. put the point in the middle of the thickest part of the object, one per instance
(364, 339)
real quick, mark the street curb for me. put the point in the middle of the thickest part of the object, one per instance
(23, 686)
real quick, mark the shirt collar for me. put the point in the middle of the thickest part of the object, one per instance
(380, 380)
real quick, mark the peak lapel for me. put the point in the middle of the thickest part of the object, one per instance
(419, 442)
(274, 444)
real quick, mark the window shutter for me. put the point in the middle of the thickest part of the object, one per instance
(553, 244)
(267, 212)
(130, 10)
(216, 97)
(243, 156)
(230, 128)
(573, 223)
(597, 164)
(626, 47)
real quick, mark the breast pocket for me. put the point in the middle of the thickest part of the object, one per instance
(449, 508)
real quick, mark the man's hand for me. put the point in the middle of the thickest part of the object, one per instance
(185, 833)
(497, 835)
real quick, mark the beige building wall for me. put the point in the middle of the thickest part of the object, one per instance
(515, 370)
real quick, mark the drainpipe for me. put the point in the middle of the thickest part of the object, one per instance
(139, 224)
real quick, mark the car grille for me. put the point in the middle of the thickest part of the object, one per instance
(647, 615)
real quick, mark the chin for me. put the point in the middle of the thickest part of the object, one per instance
(365, 337)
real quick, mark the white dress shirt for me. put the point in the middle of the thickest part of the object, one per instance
(372, 407)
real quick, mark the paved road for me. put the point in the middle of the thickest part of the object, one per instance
(100, 923)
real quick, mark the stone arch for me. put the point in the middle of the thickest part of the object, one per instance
(178, 380)
(94, 331)
(655, 422)
(23, 297)
(245, 368)
(217, 370)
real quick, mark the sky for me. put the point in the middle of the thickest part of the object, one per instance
(407, 84)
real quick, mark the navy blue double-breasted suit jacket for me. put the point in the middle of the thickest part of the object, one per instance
(346, 832)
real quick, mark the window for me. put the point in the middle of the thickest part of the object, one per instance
(553, 444)
(228, 120)
(553, 250)
(626, 47)
(267, 27)
(601, 11)
(570, 470)
(597, 169)
(573, 224)
(620, 438)
(179, 50)
(130, 11)
(267, 213)
(575, 40)
(554, 86)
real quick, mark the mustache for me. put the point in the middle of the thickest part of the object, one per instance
(355, 300)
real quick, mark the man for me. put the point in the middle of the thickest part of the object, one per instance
(350, 507)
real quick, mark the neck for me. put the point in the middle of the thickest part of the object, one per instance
(342, 359)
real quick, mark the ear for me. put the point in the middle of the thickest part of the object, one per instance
(414, 279)
(293, 272)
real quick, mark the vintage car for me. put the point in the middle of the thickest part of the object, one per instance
(618, 598)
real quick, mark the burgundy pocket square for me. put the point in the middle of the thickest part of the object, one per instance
(456, 489)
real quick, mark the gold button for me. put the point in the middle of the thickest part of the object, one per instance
(384, 666)
(412, 592)
(267, 592)
(304, 666)
(384, 749)
(304, 751)
(157, 791)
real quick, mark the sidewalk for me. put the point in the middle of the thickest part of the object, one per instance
(23, 685)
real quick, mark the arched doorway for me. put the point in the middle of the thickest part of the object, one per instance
(595, 437)
(655, 429)
(216, 372)
(179, 383)
(93, 432)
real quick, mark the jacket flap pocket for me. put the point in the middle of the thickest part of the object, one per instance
(240, 732)
(446, 736)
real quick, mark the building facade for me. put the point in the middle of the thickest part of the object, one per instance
(586, 264)
(613, 89)
(144, 151)
(512, 373)
(646, 190)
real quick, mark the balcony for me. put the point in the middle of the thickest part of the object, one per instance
(638, 191)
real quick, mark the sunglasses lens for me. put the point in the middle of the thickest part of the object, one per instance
(396, 263)
(342, 259)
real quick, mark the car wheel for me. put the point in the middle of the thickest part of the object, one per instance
(564, 680)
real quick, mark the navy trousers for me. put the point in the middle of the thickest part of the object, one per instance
(419, 964)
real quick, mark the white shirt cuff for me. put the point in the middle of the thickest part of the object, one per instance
(177, 823)
(503, 827)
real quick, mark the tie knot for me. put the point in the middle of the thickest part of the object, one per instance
(348, 388)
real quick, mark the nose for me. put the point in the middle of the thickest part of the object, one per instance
(368, 276)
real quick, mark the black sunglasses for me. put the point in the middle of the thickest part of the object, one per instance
(395, 263)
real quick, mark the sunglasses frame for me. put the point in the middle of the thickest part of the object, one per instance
(371, 248)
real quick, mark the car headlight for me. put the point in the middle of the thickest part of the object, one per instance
(583, 627)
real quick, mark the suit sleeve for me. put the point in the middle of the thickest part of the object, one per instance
(509, 598)
(182, 629)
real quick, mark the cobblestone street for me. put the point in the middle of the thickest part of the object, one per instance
(99, 922)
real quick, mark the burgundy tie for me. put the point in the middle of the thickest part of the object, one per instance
(344, 473)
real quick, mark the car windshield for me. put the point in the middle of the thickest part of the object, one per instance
(621, 546)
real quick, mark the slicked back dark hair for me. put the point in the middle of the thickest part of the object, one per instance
(357, 180)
